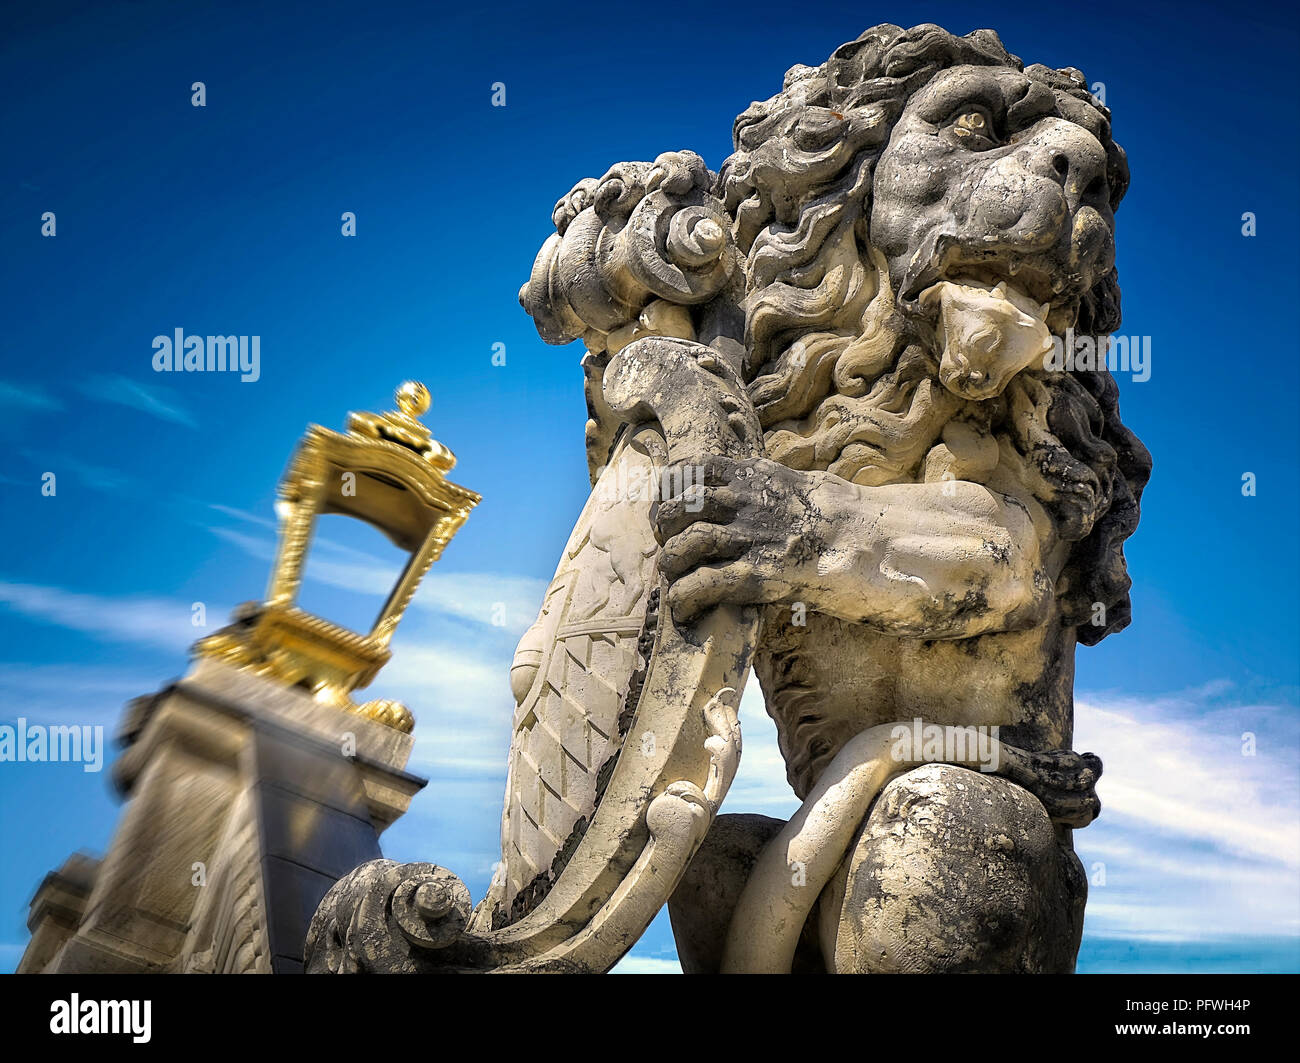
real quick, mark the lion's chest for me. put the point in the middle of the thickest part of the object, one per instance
(828, 680)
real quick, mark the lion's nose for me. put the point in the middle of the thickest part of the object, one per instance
(1083, 178)
(1073, 157)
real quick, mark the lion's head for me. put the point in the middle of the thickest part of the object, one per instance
(904, 226)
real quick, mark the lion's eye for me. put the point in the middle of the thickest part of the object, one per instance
(973, 128)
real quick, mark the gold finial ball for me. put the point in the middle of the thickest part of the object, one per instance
(413, 398)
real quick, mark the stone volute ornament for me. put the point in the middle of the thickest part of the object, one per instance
(389, 472)
(832, 360)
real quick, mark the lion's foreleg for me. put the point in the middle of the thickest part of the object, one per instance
(796, 865)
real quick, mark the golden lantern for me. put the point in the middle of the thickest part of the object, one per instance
(388, 471)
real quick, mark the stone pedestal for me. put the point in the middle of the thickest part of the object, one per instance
(246, 801)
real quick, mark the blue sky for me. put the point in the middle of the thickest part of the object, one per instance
(226, 219)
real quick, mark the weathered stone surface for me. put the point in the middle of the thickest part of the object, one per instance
(955, 871)
(702, 907)
(56, 911)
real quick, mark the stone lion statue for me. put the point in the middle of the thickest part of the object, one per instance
(887, 260)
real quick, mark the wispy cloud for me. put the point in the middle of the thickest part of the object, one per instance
(1199, 836)
(123, 391)
(72, 693)
(1194, 783)
(27, 398)
(161, 623)
(461, 698)
(633, 963)
(97, 477)
(760, 785)
(244, 515)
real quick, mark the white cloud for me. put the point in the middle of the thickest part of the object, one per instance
(1173, 765)
(760, 784)
(28, 399)
(157, 622)
(96, 477)
(634, 964)
(462, 704)
(1196, 842)
(123, 391)
(485, 597)
(456, 682)
(244, 515)
(71, 693)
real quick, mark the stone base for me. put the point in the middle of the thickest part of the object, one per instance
(246, 802)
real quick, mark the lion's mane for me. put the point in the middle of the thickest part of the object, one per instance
(842, 378)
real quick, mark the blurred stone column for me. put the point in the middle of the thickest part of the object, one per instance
(246, 801)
